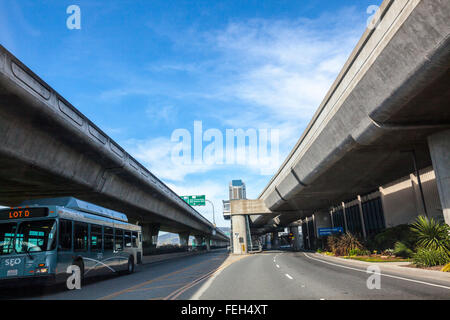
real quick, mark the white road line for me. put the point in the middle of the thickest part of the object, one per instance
(278, 266)
(384, 275)
(288, 276)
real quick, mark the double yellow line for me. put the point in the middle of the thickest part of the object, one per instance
(183, 289)
(140, 285)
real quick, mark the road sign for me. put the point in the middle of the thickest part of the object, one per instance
(330, 231)
(195, 200)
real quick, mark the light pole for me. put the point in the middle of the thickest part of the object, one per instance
(214, 216)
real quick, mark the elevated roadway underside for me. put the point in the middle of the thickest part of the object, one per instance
(49, 149)
(391, 96)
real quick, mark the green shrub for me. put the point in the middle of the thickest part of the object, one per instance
(387, 239)
(432, 234)
(430, 257)
(402, 250)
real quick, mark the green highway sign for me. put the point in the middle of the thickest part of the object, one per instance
(195, 200)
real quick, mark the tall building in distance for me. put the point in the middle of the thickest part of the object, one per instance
(237, 190)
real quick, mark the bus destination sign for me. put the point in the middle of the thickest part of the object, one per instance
(23, 213)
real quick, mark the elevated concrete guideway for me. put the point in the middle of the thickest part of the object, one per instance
(49, 149)
(390, 101)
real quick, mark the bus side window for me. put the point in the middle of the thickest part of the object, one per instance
(118, 239)
(65, 235)
(80, 234)
(108, 239)
(127, 239)
(134, 237)
(96, 238)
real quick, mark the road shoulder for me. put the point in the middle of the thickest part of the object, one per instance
(386, 267)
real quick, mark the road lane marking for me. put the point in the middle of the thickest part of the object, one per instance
(210, 274)
(159, 287)
(382, 274)
(207, 284)
(140, 285)
(288, 276)
(175, 294)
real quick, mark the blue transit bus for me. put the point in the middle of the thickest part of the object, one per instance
(40, 239)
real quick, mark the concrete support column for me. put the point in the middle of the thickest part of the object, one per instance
(149, 237)
(331, 217)
(239, 234)
(345, 217)
(184, 239)
(199, 241)
(208, 243)
(363, 223)
(275, 240)
(439, 144)
(308, 242)
(296, 240)
(268, 242)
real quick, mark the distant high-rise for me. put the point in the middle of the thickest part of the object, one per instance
(237, 190)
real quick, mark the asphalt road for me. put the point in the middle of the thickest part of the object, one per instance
(293, 276)
(274, 275)
(166, 280)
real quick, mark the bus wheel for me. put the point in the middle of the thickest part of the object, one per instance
(130, 266)
(79, 263)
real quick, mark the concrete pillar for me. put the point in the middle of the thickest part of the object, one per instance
(439, 144)
(345, 217)
(268, 242)
(184, 239)
(199, 241)
(331, 217)
(208, 244)
(149, 237)
(296, 240)
(239, 234)
(308, 242)
(361, 214)
(275, 240)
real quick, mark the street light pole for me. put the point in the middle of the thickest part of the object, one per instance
(214, 216)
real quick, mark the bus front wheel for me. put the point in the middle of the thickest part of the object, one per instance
(130, 266)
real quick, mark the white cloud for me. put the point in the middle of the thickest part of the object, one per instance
(273, 73)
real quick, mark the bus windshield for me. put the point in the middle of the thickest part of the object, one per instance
(7, 232)
(35, 236)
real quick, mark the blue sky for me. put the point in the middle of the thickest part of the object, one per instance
(141, 69)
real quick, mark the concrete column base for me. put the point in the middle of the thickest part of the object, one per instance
(184, 239)
(275, 241)
(296, 240)
(239, 234)
(439, 144)
(150, 233)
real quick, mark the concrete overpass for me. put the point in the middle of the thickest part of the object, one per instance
(387, 113)
(49, 149)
